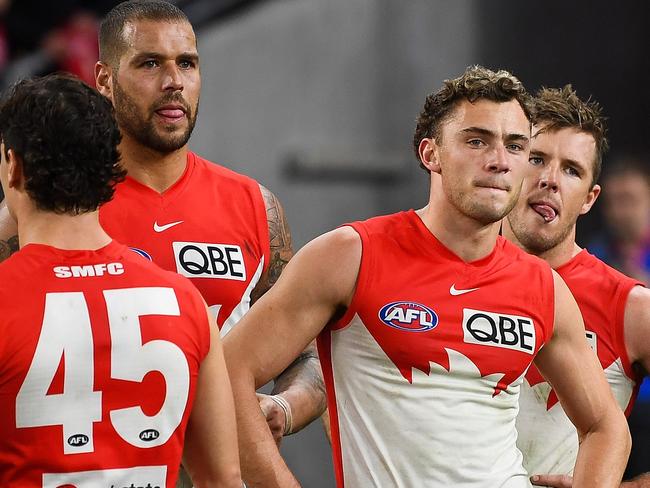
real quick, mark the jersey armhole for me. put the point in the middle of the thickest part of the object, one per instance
(362, 277)
(622, 296)
(548, 333)
(263, 233)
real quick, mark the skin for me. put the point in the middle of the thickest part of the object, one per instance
(477, 170)
(561, 174)
(159, 68)
(211, 438)
(155, 88)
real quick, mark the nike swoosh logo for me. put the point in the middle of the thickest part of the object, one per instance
(455, 292)
(162, 228)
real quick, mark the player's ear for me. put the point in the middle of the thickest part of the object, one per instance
(590, 200)
(14, 169)
(428, 151)
(104, 79)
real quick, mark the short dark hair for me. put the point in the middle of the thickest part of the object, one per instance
(475, 83)
(111, 31)
(560, 108)
(66, 136)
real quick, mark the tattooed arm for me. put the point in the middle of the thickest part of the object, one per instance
(8, 233)
(301, 384)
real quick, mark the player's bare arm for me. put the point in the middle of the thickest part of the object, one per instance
(637, 343)
(210, 453)
(299, 389)
(8, 233)
(570, 366)
(637, 337)
(315, 288)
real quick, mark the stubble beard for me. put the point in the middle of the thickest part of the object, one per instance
(143, 130)
(537, 243)
(484, 213)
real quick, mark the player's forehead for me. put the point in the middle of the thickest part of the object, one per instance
(167, 38)
(502, 118)
(565, 143)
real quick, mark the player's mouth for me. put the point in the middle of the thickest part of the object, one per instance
(496, 186)
(547, 210)
(171, 113)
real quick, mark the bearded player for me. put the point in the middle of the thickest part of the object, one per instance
(566, 156)
(106, 358)
(427, 323)
(222, 230)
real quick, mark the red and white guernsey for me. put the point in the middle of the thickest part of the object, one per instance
(99, 358)
(423, 371)
(210, 226)
(547, 437)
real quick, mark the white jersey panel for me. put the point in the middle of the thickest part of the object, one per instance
(547, 437)
(446, 429)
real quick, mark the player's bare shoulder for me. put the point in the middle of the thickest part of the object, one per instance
(8, 233)
(279, 237)
(637, 325)
(332, 261)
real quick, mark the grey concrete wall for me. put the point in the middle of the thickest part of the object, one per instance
(335, 80)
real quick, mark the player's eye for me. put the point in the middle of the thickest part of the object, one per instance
(150, 63)
(515, 147)
(186, 64)
(476, 142)
(536, 160)
(572, 171)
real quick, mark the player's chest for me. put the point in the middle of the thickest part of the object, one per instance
(217, 252)
(492, 320)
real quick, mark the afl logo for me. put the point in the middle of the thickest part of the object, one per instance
(149, 435)
(142, 253)
(409, 316)
(78, 440)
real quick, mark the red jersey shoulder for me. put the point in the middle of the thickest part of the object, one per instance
(213, 170)
(383, 224)
(589, 269)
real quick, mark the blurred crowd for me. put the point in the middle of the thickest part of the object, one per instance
(41, 37)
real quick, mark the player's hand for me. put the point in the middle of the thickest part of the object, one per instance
(275, 417)
(552, 480)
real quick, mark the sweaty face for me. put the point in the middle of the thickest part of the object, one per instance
(483, 154)
(157, 84)
(556, 190)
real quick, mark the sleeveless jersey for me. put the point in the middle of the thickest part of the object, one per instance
(99, 357)
(423, 371)
(210, 226)
(547, 437)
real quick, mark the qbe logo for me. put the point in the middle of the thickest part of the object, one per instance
(202, 260)
(409, 316)
(499, 330)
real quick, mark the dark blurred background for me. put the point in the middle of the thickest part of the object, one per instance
(317, 100)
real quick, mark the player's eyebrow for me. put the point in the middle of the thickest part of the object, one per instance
(187, 55)
(492, 134)
(479, 130)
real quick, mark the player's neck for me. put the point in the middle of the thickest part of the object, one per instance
(158, 171)
(465, 237)
(61, 231)
(557, 256)
(562, 253)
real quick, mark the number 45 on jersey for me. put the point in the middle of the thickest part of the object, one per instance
(67, 332)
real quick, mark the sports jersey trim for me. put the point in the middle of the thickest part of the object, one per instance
(324, 343)
(362, 276)
(174, 190)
